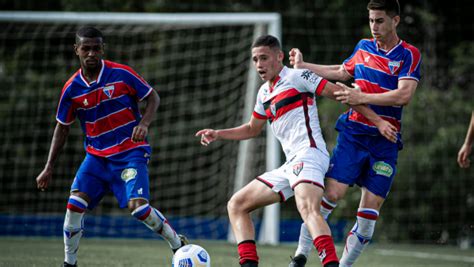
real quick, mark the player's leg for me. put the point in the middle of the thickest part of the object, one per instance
(254, 195)
(334, 191)
(375, 186)
(346, 165)
(86, 191)
(156, 221)
(307, 197)
(363, 230)
(131, 188)
(73, 226)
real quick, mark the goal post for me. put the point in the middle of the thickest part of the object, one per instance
(201, 65)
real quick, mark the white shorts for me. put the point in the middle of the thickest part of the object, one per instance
(307, 166)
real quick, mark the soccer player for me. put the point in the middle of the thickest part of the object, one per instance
(465, 151)
(104, 96)
(287, 101)
(386, 71)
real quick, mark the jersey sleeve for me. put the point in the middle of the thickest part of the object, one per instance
(411, 64)
(259, 109)
(310, 82)
(138, 86)
(350, 63)
(66, 112)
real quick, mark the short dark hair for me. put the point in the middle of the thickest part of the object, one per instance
(88, 32)
(267, 40)
(391, 7)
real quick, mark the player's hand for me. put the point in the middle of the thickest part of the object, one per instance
(43, 179)
(387, 130)
(207, 136)
(139, 133)
(348, 95)
(296, 58)
(463, 156)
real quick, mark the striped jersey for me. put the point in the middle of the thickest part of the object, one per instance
(290, 107)
(377, 71)
(106, 108)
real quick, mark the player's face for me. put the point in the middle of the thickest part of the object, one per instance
(90, 52)
(382, 25)
(267, 61)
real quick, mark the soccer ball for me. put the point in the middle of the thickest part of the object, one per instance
(191, 256)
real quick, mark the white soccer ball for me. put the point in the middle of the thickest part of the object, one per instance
(191, 256)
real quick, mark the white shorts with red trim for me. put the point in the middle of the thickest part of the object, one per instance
(307, 166)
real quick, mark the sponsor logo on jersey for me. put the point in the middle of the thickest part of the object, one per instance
(366, 59)
(129, 174)
(382, 168)
(297, 168)
(140, 191)
(109, 90)
(393, 66)
(306, 74)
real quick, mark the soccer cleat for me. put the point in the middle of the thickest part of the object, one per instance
(184, 242)
(69, 265)
(249, 264)
(332, 264)
(298, 261)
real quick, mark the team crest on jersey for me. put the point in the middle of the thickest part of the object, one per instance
(393, 66)
(297, 168)
(129, 174)
(109, 90)
(85, 102)
(382, 168)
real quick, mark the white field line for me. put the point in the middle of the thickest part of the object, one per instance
(424, 255)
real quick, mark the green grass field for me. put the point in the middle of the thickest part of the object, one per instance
(32, 252)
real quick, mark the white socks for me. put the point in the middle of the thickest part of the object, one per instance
(359, 236)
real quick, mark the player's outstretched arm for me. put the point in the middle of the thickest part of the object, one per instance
(398, 97)
(330, 72)
(466, 148)
(245, 131)
(60, 135)
(140, 131)
(385, 128)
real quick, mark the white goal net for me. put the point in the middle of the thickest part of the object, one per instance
(200, 66)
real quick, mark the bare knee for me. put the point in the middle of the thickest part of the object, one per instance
(236, 204)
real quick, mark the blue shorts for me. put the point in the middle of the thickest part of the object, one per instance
(126, 179)
(368, 161)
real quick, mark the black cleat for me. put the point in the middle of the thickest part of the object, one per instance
(184, 242)
(298, 261)
(332, 264)
(69, 265)
(249, 264)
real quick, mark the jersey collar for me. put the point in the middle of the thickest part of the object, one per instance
(84, 80)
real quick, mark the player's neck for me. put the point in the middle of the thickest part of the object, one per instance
(91, 74)
(389, 42)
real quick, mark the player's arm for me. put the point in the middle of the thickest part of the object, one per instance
(245, 131)
(61, 132)
(140, 131)
(465, 151)
(385, 128)
(329, 72)
(398, 97)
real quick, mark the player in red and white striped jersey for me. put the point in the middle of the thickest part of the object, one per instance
(286, 100)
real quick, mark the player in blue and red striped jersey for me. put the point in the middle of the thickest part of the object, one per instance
(386, 71)
(104, 96)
